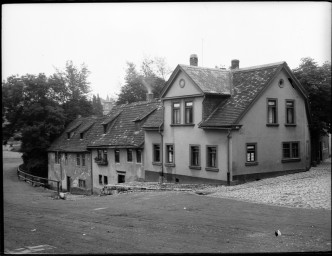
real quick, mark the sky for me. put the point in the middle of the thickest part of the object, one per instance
(38, 38)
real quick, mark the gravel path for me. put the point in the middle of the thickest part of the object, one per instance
(311, 189)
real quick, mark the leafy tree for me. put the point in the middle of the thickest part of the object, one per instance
(32, 112)
(151, 78)
(317, 81)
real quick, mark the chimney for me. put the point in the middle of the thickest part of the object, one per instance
(193, 60)
(149, 96)
(235, 64)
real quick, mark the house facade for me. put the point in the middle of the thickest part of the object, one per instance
(222, 126)
(69, 161)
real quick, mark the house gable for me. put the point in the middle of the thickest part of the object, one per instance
(174, 89)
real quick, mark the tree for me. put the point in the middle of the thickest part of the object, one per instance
(317, 81)
(32, 112)
(151, 78)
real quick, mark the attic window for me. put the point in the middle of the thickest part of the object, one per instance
(81, 135)
(105, 128)
(281, 83)
(68, 135)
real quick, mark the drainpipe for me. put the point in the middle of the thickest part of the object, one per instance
(91, 172)
(229, 156)
(161, 149)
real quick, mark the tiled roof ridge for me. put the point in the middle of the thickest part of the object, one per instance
(198, 67)
(268, 65)
(259, 67)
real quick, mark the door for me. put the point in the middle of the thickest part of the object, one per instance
(68, 184)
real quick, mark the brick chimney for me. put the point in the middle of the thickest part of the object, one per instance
(193, 60)
(235, 64)
(149, 96)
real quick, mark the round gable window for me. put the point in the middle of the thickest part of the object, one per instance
(182, 83)
(281, 83)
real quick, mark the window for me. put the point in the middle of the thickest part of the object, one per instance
(188, 112)
(251, 153)
(129, 155)
(99, 153)
(176, 113)
(169, 154)
(156, 153)
(81, 135)
(68, 135)
(105, 155)
(195, 160)
(78, 160)
(105, 180)
(83, 159)
(81, 183)
(57, 157)
(211, 157)
(105, 128)
(139, 156)
(117, 155)
(290, 150)
(272, 111)
(66, 158)
(290, 112)
(101, 179)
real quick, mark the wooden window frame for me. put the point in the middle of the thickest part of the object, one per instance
(176, 108)
(276, 112)
(83, 159)
(191, 166)
(129, 150)
(291, 157)
(167, 150)
(78, 159)
(139, 156)
(208, 166)
(116, 155)
(255, 161)
(185, 111)
(81, 183)
(286, 112)
(154, 152)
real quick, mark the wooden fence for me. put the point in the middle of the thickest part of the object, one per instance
(35, 179)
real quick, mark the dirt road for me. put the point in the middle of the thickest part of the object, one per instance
(153, 222)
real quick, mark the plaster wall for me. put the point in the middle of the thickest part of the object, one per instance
(152, 170)
(269, 139)
(133, 171)
(182, 136)
(189, 89)
(60, 171)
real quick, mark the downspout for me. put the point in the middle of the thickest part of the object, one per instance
(229, 156)
(161, 149)
(91, 172)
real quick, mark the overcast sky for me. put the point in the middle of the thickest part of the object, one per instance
(37, 38)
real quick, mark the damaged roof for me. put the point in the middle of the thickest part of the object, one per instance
(74, 129)
(208, 80)
(248, 83)
(126, 129)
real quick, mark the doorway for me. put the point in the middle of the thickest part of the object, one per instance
(121, 178)
(68, 184)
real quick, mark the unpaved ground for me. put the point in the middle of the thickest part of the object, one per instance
(311, 189)
(153, 222)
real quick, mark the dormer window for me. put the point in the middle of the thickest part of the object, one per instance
(81, 135)
(68, 135)
(105, 128)
(176, 113)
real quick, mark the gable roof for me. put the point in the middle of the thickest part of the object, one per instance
(207, 80)
(75, 143)
(248, 85)
(126, 129)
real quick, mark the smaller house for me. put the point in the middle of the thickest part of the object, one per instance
(69, 161)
